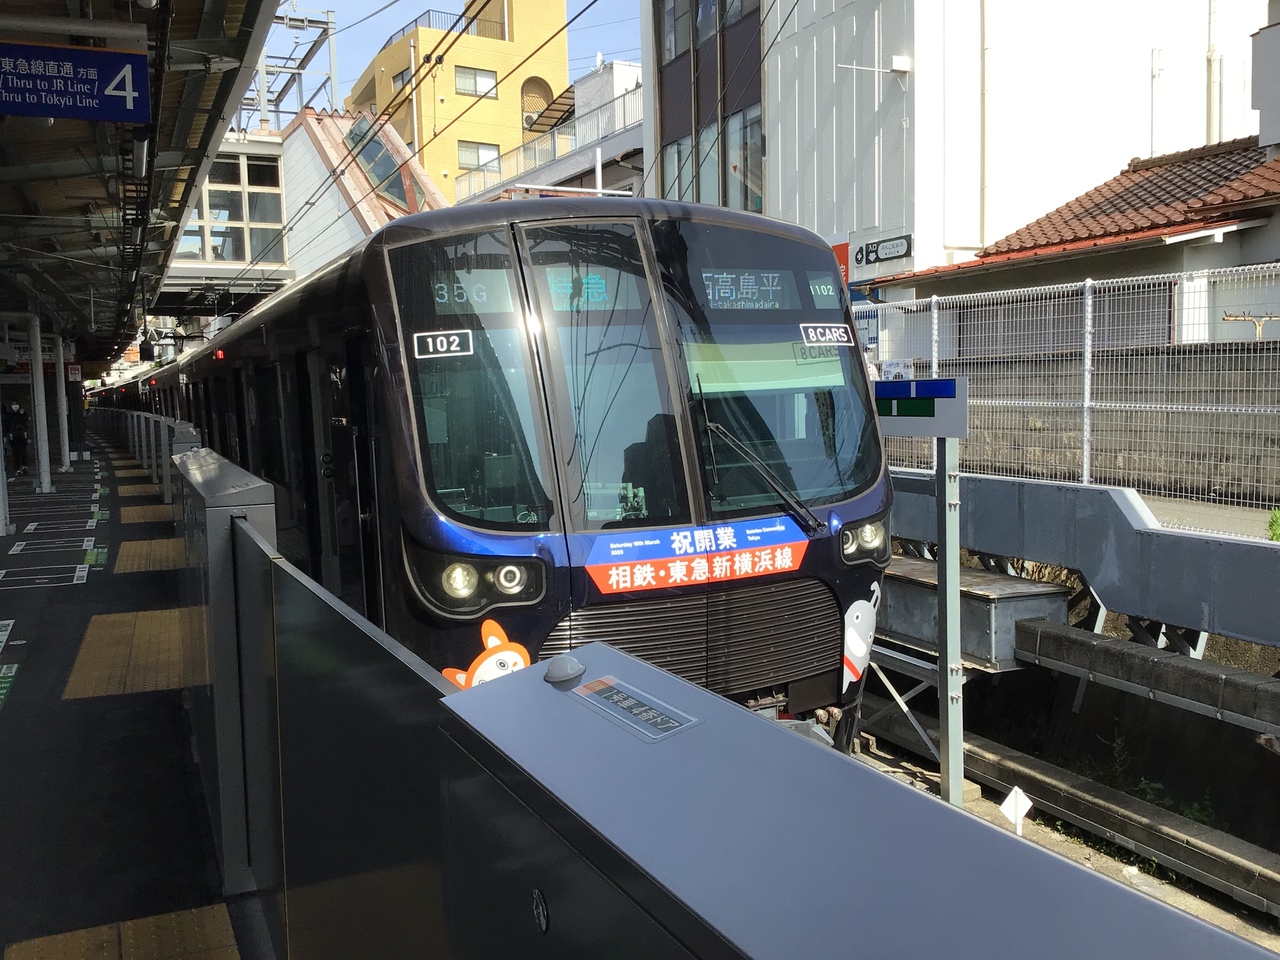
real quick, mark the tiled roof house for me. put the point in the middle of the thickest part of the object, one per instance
(1157, 215)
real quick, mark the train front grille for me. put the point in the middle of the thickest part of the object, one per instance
(730, 641)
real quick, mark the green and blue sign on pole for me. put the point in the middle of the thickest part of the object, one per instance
(83, 83)
(923, 408)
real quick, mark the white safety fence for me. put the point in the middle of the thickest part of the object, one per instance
(1167, 384)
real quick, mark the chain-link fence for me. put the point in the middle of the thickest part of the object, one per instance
(1167, 384)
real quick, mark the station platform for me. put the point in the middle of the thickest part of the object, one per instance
(107, 851)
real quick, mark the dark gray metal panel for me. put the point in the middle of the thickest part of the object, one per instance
(1186, 579)
(789, 849)
(498, 852)
(255, 628)
(359, 782)
(219, 482)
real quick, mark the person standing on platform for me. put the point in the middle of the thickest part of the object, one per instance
(15, 431)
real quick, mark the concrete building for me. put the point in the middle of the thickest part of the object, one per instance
(470, 103)
(921, 131)
(589, 137)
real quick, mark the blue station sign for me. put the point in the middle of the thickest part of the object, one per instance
(83, 83)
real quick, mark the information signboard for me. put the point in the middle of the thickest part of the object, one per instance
(85, 83)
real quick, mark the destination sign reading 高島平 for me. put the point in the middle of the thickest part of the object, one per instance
(87, 83)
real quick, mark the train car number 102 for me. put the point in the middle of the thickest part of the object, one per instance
(442, 343)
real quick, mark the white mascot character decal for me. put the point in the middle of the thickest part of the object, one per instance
(859, 629)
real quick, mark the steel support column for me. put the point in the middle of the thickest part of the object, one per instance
(950, 666)
(64, 420)
(39, 409)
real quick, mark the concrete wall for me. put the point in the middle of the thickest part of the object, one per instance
(328, 227)
(1008, 111)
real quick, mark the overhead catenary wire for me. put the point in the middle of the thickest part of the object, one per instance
(384, 117)
(396, 172)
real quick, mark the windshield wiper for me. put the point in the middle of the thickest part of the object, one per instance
(795, 507)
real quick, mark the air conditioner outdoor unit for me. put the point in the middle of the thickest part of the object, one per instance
(529, 119)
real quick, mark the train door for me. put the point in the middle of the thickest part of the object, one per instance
(242, 442)
(317, 466)
(355, 542)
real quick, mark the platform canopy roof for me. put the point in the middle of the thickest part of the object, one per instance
(111, 112)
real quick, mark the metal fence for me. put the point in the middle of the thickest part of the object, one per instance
(591, 127)
(1167, 384)
(451, 23)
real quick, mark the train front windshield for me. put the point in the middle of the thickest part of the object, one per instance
(762, 376)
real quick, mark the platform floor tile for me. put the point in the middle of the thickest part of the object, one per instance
(129, 653)
(201, 934)
(138, 490)
(120, 474)
(147, 514)
(133, 556)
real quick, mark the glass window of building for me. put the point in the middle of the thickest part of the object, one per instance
(709, 164)
(227, 243)
(474, 82)
(267, 244)
(400, 79)
(743, 163)
(735, 9)
(263, 171)
(191, 244)
(225, 170)
(228, 213)
(706, 25)
(677, 170)
(675, 28)
(377, 162)
(474, 156)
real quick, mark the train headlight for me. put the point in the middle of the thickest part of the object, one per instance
(510, 578)
(460, 580)
(866, 541)
(463, 586)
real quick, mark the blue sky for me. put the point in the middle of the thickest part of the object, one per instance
(611, 27)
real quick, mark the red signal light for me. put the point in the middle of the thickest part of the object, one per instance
(153, 381)
(219, 354)
(122, 389)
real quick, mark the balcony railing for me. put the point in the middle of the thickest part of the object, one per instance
(447, 22)
(613, 117)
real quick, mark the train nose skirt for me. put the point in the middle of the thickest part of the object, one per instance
(730, 641)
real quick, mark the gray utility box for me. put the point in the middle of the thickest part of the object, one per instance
(991, 604)
(626, 813)
(212, 491)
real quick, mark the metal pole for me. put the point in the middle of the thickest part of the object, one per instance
(5, 529)
(413, 97)
(166, 452)
(1086, 399)
(153, 445)
(599, 172)
(39, 411)
(950, 666)
(933, 312)
(64, 420)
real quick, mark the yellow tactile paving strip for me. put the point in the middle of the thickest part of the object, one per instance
(131, 473)
(129, 653)
(138, 490)
(146, 514)
(125, 462)
(202, 934)
(133, 556)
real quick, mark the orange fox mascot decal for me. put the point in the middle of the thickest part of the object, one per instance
(500, 656)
